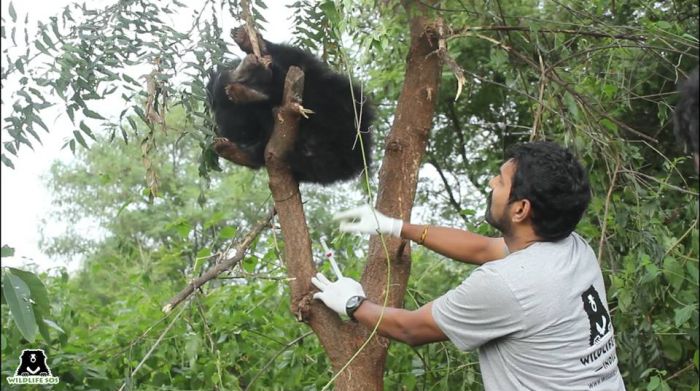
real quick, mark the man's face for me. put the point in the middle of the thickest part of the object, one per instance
(497, 206)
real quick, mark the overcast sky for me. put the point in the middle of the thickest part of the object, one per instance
(25, 199)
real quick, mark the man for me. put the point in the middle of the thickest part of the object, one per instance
(536, 308)
(685, 118)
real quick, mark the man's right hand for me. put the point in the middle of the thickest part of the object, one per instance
(366, 220)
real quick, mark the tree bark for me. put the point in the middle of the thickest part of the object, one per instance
(398, 178)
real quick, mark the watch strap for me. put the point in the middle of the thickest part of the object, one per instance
(350, 310)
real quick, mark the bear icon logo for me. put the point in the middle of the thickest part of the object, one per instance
(32, 363)
(598, 317)
(32, 369)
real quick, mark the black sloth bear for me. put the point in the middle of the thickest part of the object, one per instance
(327, 149)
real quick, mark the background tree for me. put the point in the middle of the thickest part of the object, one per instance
(598, 77)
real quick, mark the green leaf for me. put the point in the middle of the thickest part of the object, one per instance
(41, 47)
(204, 253)
(36, 288)
(571, 104)
(202, 256)
(7, 251)
(79, 138)
(129, 79)
(71, 114)
(248, 264)
(331, 12)
(671, 346)
(192, 348)
(47, 40)
(39, 297)
(54, 326)
(43, 330)
(18, 297)
(41, 123)
(86, 130)
(91, 114)
(664, 25)
(13, 13)
(227, 232)
(654, 383)
(19, 65)
(183, 228)
(683, 314)
(609, 90)
(468, 212)
(6, 161)
(609, 125)
(673, 271)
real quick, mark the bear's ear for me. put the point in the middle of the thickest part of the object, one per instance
(240, 93)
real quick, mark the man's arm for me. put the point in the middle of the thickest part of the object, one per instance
(454, 243)
(457, 244)
(412, 327)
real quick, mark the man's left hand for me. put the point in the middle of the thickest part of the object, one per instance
(336, 294)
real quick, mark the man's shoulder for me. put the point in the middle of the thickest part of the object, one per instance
(538, 258)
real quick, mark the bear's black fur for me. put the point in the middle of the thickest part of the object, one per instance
(327, 150)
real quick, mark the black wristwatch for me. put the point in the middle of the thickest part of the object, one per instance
(352, 305)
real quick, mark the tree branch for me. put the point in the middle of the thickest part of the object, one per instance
(466, 30)
(448, 188)
(222, 266)
(601, 244)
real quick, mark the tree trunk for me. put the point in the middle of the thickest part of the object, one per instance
(398, 179)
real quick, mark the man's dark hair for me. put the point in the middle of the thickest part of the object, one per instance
(554, 182)
(685, 118)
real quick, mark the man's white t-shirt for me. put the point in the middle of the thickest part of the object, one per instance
(539, 318)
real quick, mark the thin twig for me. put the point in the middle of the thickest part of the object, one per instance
(540, 98)
(448, 188)
(258, 277)
(207, 331)
(153, 348)
(273, 358)
(466, 30)
(222, 266)
(692, 227)
(605, 213)
(673, 187)
(675, 375)
(250, 28)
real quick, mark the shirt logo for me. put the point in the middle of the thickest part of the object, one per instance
(598, 317)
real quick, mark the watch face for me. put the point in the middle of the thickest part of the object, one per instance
(353, 301)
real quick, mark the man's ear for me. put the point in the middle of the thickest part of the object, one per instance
(521, 210)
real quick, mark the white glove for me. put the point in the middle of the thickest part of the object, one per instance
(369, 221)
(335, 295)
